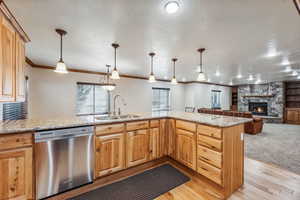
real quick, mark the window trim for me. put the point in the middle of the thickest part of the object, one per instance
(169, 99)
(94, 107)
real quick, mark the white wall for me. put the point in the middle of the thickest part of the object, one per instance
(199, 95)
(54, 95)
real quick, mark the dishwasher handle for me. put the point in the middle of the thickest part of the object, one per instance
(62, 137)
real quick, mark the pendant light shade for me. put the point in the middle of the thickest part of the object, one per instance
(107, 85)
(174, 80)
(201, 75)
(61, 66)
(115, 73)
(151, 76)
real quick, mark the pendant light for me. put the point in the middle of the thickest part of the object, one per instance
(115, 73)
(201, 75)
(61, 66)
(174, 81)
(152, 77)
(107, 85)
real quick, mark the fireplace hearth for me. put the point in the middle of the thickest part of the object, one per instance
(258, 108)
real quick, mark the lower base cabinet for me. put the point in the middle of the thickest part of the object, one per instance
(186, 148)
(154, 144)
(16, 182)
(137, 147)
(110, 154)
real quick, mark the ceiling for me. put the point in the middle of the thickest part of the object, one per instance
(246, 37)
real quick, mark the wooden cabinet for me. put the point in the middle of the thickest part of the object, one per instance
(292, 115)
(7, 61)
(20, 69)
(154, 143)
(137, 147)
(186, 148)
(110, 154)
(171, 138)
(16, 177)
(12, 63)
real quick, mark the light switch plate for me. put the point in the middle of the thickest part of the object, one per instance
(242, 136)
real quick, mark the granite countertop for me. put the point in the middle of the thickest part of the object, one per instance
(27, 125)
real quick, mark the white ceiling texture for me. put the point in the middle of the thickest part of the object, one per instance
(242, 37)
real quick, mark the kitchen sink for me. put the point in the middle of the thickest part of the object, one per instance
(115, 117)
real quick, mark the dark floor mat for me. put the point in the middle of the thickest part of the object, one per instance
(145, 186)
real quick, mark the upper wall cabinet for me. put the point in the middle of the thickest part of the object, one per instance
(7, 82)
(12, 63)
(20, 69)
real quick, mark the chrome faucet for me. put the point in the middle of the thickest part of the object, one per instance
(115, 99)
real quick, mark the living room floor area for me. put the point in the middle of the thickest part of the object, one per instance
(278, 144)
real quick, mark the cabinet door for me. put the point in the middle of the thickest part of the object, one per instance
(154, 143)
(20, 69)
(292, 116)
(16, 174)
(137, 147)
(171, 137)
(109, 154)
(186, 148)
(163, 146)
(7, 62)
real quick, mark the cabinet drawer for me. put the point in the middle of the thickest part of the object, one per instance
(189, 126)
(154, 123)
(209, 171)
(137, 125)
(113, 128)
(15, 141)
(209, 142)
(210, 156)
(209, 131)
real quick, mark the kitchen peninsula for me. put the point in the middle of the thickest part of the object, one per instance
(210, 145)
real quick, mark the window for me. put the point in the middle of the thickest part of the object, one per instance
(216, 99)
(92, 99)
(161, 99)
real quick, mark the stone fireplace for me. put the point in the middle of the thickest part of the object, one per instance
(266, 100)
(258, 108)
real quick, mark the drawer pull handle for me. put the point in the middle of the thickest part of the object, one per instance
(204, 158)
(204, 168)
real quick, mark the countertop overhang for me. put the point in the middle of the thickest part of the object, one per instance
(32, 125)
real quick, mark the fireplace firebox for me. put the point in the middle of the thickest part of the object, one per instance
(258, 108)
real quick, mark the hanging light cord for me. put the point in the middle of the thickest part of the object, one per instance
(115, 45)
(174, 60)
(152, 54)
(201, 69)
(201, 66)
(61, 48)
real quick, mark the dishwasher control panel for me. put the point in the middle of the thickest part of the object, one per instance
(63, 132)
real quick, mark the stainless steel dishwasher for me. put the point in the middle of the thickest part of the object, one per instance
(64, 159)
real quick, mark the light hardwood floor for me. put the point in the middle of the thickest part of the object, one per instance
(262, 182)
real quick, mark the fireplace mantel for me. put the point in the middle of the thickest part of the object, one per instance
(259, 96)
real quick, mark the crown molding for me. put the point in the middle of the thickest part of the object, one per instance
(10, 17)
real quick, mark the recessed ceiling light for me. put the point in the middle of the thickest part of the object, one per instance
(239, 76)
(285, 61)
(250, 77)
(288, 69)
(258, 81)
(295, 73)
(172, 7)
